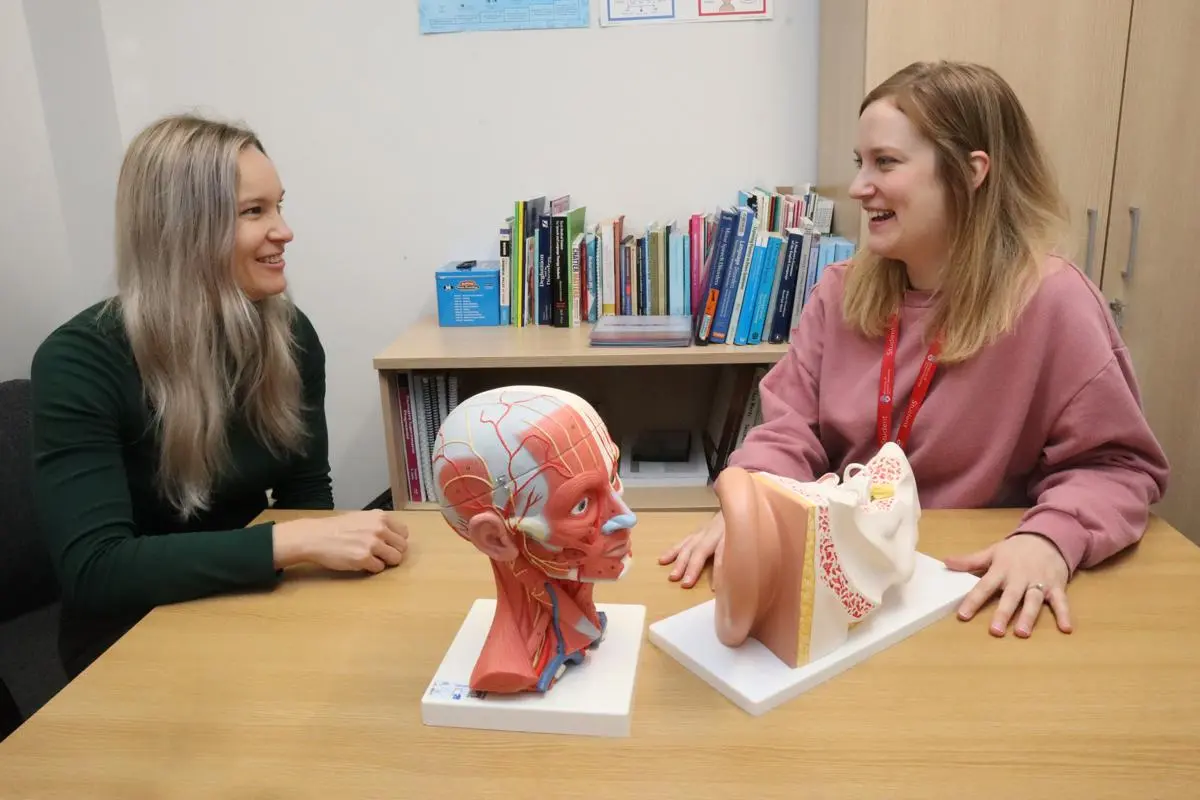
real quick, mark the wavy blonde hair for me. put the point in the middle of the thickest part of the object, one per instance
(205, 351)
(1000, 232)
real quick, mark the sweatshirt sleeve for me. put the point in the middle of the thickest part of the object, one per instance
(83, 503)
(1101, 470)
(309, 485)
(787, 441)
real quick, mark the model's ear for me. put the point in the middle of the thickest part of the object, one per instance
(490, 535)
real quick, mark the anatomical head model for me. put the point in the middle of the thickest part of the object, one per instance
(803, 563)
(528, 474)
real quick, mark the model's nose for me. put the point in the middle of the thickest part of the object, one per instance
(620, 522)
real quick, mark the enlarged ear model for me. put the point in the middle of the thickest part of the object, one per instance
(490, 535)
(875, 526)
(806, 562)
(750, 565)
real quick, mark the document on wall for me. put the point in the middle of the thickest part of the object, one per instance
(458, 16)
(634, 12)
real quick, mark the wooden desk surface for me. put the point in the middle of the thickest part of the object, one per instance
(313, 690)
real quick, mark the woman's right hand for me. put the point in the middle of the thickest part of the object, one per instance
(692, 553)
(359, 540)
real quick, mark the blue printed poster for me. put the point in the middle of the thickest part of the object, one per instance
(457, 16)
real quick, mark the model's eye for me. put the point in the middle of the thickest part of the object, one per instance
(580, 507)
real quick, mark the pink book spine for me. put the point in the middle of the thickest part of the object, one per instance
(413, 471)
(696, 246)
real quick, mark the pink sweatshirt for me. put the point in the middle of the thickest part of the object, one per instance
(1048, 418)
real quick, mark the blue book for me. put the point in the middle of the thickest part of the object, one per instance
(594, 268)
(721, 249)
(781, 319)
(742, 242)
(814, 264)
(680, 295)
(750, 295)
(767, 283)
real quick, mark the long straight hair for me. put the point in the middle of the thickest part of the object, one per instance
(999, 232)
(204, 350)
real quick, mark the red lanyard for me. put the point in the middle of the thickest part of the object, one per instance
(887, 385)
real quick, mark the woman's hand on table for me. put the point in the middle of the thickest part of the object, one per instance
(360, 540)
(693, 551)
(1028, 571)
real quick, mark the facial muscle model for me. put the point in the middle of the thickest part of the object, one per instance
(528, 474)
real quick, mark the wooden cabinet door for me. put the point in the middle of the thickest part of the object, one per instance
(1151, 267)
(1063, 58)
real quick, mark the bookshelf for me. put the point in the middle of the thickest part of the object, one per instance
(633, 388)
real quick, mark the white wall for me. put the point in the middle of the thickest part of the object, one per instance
(401, 151)
(76, 91)
(34, 262)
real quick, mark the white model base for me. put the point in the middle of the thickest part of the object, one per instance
(594, 698)
(757, 681)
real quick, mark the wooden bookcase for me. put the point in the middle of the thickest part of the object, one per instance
(633, 389)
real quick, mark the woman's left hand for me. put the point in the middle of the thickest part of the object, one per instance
(1028, 571)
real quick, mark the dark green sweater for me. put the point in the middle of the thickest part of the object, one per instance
(119, 548)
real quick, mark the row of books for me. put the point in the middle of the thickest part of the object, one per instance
(760, 256)
(425, 398)
(760, 278)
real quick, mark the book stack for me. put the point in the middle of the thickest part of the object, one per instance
(656, 330)
(740, 274)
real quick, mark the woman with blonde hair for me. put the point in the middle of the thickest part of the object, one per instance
(1010, 384)
(165, 415)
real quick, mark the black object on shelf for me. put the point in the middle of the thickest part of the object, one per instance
(383, 501)
(663, 446)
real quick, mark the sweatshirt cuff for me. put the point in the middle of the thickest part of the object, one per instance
(262, 553)
(1063, 530)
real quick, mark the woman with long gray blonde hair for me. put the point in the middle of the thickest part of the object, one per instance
(961, 305)
(165, 416)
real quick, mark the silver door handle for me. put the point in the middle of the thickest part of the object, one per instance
(1118, 312)
(1135, 218)
(1091, 242)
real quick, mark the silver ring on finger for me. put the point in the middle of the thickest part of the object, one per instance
(1041, 587)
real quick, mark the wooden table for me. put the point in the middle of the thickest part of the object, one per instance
(313, 690)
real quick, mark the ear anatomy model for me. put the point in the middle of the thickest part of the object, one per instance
(804, 562)
(528, 475)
